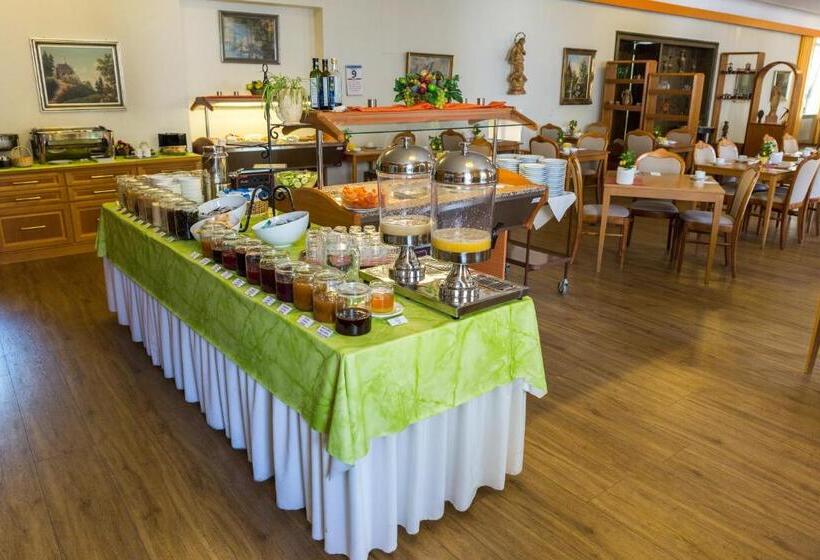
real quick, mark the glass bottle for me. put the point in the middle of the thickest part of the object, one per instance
(315, 85)
(324, 97)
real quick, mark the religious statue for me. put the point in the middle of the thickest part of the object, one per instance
(517, 79)
(774, 103)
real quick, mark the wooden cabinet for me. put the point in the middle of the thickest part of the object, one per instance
(48, 211)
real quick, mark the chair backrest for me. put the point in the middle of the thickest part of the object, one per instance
(575, 179)
(790, 144)
(451, 140)
(770, 138)
(406, 134)
(543, 146)
(803, 179)
(704, 153)
(598, 128)
(727, 149)
(481, 146)
(745, 187)
(814, 192)
(592, 141)
(661, 161)
(640, 141)
(683, 136)
(551, 131)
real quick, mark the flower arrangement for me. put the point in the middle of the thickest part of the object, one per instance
(627, 160)
(427, 87)
(436, 144)
(767, 149)
(573, 124)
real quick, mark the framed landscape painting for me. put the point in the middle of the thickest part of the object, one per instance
(416, 62)
(77, 75)
(249, 38)
(576, 76)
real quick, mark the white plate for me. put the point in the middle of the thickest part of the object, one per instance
(398, 309)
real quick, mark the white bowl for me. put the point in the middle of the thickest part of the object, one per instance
(234, 204)
(286, 228)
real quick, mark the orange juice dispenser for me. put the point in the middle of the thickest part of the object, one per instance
(461, 218)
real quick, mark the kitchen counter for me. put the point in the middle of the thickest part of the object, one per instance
(92, 163)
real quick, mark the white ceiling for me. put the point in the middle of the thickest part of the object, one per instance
(811, 6)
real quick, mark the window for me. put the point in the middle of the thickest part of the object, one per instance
(811, 101)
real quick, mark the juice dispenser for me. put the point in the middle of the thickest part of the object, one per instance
(462, 212)
(404, 174)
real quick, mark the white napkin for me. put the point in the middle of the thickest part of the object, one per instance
(555, 207)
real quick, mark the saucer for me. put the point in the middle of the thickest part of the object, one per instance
(398, 309)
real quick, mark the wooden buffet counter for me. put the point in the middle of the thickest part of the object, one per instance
(52, 210)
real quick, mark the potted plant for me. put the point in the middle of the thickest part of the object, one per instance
(436, 145)
(477, 132)
(626, 168)
(573, 124)
(289, 95)
(766, 150)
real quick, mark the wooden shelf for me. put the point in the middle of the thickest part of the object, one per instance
(741, 72)
(623, 118)
(667, 117)
(639, 81)
(662, 92)
(619, 107)
(720, 83)
(208, 101)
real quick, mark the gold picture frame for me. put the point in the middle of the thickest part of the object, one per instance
(416, 62)
(577, 73)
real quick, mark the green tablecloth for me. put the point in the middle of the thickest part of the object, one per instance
(351, 388)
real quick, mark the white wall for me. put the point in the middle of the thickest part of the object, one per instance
(170, 51)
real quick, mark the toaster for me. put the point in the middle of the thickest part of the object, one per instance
(49, 144)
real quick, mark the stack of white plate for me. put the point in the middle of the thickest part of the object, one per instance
(528, 158)
(508, 162)
(533, 172)
(190, 188)
(555, 171)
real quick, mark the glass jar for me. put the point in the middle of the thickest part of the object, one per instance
(206, 235)
(315, 246)
(217, 237)
(303, 285)
(156, 208)
(382, 298)
(267, 268)
(253, 256)
(353, 315)
(325, 283)
(229, 242)
(242, 247)
(186, 214)
(284, 280)
(341, 254)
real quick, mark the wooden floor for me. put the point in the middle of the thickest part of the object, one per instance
(678, 425)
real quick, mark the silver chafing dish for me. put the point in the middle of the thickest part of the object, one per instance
(49, 144)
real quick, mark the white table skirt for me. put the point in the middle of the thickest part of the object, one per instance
(405, 479)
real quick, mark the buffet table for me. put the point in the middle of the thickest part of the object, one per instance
(365, 433)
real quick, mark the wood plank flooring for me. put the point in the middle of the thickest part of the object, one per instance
(678, 425)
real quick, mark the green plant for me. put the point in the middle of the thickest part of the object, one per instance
(767, 149)
(436, 143)
(560, 137)
(477, 132)
(627, 160)
(426, 86)
(656, 131)
(573, 124)
(348, 135)
(278, 84)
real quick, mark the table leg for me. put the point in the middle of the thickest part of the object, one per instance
(602, 236)
(713, 238)
(601, 175)
(767, 215)
(354, 169)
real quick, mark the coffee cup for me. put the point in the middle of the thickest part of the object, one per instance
(700, 175)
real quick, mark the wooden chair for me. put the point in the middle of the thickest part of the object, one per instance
(640, 142)
(813, 205)
(703, 153)
(700, 222)
(451, 140)
(406, 134)
(790, 201)
(598, 128)
(790, 144)
(590, 214)
(814, 343)
(482, 146)
(592, 141)
(551, 131)
(727, 149)
(667, 163)
(543, 146)
(683, 136)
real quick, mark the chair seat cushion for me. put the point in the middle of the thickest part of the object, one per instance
(648, 205)
(705, 217)
(615, 210)
(760, 187)
(779, 196)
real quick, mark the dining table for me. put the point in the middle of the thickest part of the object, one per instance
(665, 187)
(769, 174)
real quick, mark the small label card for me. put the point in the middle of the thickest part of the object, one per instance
(195, 255)
(171, 238)
(305, 321)
(204, 260)
(252, 291)
(284, 309)
(216, 267)
(238, 282)
(269, 300)
(396, 321)
(324, 331)
(226, 274)
(155, 228)
(162, 233)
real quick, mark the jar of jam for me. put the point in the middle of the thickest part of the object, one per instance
(353, 315)
(284, 280)
(325, 283)
(206, 237)
(382, 298)
(253, 256)
(229, 242)
(217, 237)
(186, 214)
(267, 268)
(242, 247)
(303, 286)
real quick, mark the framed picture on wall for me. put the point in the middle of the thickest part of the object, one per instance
(576, 76)
(249, 38)
(416, 62)
(77, 75)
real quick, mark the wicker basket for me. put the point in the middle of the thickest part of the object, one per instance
(21, 157)
(259, 207)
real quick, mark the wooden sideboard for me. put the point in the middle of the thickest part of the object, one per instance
(52, 210)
